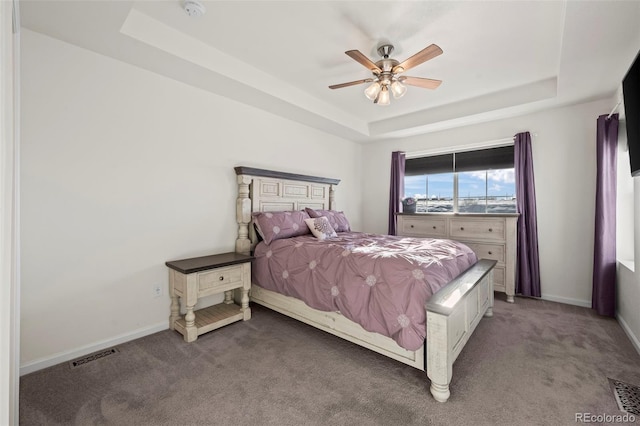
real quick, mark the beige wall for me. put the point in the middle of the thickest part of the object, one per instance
(122, 170)
(564, 164)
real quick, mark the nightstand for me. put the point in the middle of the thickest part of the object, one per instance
(191, 279)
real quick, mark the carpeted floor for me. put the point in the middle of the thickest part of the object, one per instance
(533, 363)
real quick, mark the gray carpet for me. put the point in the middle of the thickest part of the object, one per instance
(533, 363)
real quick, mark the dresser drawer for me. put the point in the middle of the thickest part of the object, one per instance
(488, 251)
(423, 226)
(220, 278)
(483, 229)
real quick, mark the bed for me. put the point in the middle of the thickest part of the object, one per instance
(450, 315)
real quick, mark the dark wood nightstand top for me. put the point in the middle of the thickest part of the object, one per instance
(196, 264)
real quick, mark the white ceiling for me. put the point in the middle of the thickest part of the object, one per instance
(500, 58)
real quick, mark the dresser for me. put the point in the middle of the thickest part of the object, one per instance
(489, 236)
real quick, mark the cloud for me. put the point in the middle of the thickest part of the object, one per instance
(501, 175)
(477, 175)
(504, 175)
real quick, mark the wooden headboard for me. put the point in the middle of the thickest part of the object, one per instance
(262, 190)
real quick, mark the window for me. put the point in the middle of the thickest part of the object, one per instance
(480, 181)
(625, 218)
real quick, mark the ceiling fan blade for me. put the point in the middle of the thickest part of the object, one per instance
(425, 83)
(424, 55)
(351, 83)
(359, 57)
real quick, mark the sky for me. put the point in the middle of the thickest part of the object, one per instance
(470, 184)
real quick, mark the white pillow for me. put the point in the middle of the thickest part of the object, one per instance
(321, 228)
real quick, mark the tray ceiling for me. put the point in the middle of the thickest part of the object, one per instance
(500, 59)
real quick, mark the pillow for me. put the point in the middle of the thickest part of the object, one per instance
(276, 225)
(337, 219)
(321, 228)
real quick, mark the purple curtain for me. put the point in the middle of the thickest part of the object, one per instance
(528, 269)
(396, 188)
(603, 298)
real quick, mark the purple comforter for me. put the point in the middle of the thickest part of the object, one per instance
(379, 281)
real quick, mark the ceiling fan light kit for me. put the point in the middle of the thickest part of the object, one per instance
(386, 72)
(398, 89)
(383, 97)
(372, 91)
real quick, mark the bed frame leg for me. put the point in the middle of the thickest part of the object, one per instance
(439, 358)
(489, 312)
(440, 392)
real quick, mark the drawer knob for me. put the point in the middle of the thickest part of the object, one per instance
(411, 226)
(462, 228)
(221, 278)
(490, 253)
(490, 230)
(434, 227)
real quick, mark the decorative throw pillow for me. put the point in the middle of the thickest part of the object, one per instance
(321, 228)
(337, 219)
(276, 225)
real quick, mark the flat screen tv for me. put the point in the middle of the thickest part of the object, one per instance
(631, 94)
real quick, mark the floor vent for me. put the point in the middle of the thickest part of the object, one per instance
(627, 396)
(92, 357)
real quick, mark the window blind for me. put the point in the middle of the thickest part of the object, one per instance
(428, 165)
(465, 161)
(484, 159)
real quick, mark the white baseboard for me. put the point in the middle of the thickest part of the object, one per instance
(49, 361)
(634, 339)
(566, 300)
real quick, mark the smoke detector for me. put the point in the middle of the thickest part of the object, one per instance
(194, 8)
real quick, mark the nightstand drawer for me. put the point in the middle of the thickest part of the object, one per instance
(488, 251)
(488, 229)
(424, 227)
(219, 278)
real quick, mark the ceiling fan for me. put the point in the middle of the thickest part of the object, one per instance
(386, 73)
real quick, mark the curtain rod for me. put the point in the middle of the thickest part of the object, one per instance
(614, 109)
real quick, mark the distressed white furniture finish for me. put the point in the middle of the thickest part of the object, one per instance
(192, 279)
(490, 236)
(452, 313)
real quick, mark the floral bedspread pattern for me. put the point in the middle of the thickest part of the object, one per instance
(382, 282)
